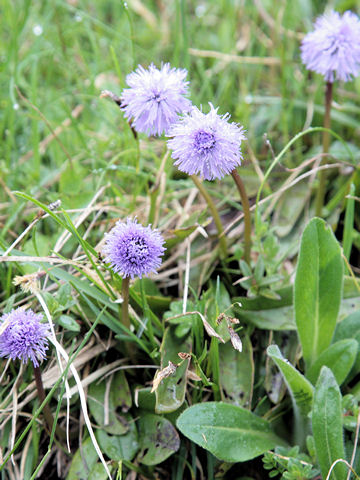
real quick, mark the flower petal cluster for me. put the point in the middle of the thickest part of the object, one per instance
(333, 48)
(206, 144)
(155, 98)
(24, 337)
(133, 250)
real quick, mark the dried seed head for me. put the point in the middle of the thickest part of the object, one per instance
(235, 339)
(184, 356)
(164, 373)
(29, 283)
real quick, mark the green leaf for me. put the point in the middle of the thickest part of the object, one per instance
(83, 284)
(350, 328)
(317, 289)
(119, 398)
(278, 314)
(289, 208)
(158, 439)
(97, 472)
(69, 323)
(119, 447)
(267, 313)
(349, 223)
(83, 461)
(72, 179)
(299, 387)
(170, 394)
(145, 399)
(231, 433)
(156, 301)
(178, 235)
(327, 425)
(339, 357)
(237, 372)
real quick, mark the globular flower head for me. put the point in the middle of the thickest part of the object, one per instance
(24, 336)
(133, 250)
(206, 144)
(333, 48)
(155, 98)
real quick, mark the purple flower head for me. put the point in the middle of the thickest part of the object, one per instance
(333, 48)
(206, 143)
(25, 337)
(155, 97)
(133, 250)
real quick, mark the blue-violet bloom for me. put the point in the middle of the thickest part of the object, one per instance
(206, 143)
(24, 337)
(155, 98)
(333, 48)
(133, 250)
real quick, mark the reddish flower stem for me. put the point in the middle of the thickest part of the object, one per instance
(46, 410)
(320, 194)
(125, 304)
(247, 217)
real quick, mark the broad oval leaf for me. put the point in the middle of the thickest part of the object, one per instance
(237, 372)
(339, 357)
(158, 439)
(289, 208)
(119, 447)
(119, 397)
(350, 328)
(300, 388)
(231, 433)
(267, 313)
(317, 289)
(327, 425)
(83, 461)
(170, 394)
(68, 323)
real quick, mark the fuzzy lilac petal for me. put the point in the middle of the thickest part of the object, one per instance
(333, 48)
(133, 250)
(155, 98)
(206, 144)
(25, 337)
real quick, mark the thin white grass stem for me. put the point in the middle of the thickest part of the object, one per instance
(20, 237)
(355, 445)
(286, 148)
(26, 258)
(107, 401)
(228, 57)
(5, 369)
(341, 460)
(64, 237)
(25, 454)
(83, 404)
(277, 193)
(67, 387)
(13, 422)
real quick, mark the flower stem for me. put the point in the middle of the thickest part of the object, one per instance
(247, 218)
(320, 194)
(47, 412)
(125, 304)
(215, 215)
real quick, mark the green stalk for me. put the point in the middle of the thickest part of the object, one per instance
(349, 223)
(320, 194)
(247, 218)
(215, 215)
(125, 304)
(47, 412)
